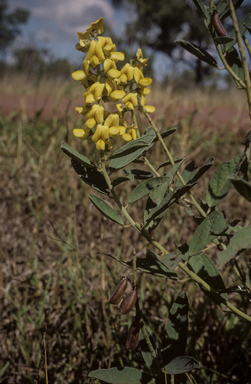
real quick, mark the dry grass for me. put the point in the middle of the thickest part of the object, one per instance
(51, 279)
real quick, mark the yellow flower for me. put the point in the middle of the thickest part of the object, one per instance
(78, 75)
(145, 81)
(109, 64)
(82, 134)
(113, 73)
(84, 41)
(140, 61)
(83, 110)
(90, 123)
(94, 93)
(100, 145)
(117, 56)
(130, 100)
(127, 71)
(117, 95)
(101, 137)
(137, 74)
(120, 109)
(148, 108)
(95, 54)
(96, 28)
(82, 75)
(97, 113)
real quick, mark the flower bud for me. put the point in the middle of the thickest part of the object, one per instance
(133, 335)
(119, 291)
(128, 302)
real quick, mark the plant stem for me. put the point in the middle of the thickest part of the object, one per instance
(134, 224)
(151, 240)
(243, 55)
(194, 202)
(247, 45)
(216, 295)
(222, 55)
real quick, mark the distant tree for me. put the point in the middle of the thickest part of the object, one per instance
(9, 23)
(158, 23)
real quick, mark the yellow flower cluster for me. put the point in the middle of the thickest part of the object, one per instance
(103, 82)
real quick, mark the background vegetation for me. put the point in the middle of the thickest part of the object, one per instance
(53, 283)
(52, 280)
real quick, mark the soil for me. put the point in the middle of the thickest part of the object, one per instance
(48, 107)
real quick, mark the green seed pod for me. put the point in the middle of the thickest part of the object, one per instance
(119, 291)
(128, 302)
(133, 335)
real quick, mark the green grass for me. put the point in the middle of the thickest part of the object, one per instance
(53, 282)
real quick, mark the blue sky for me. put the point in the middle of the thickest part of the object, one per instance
(54, 24)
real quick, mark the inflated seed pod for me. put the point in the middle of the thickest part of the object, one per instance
(119, 291)
(128, 302)
(220, 30)
(133, 335)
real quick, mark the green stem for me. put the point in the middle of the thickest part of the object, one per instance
(194, 202)
(240, 275)
(151, 240)
(151, 167)
(221, 54)
(243, 55)
(216, 295)
(247, 45)
(133, 223)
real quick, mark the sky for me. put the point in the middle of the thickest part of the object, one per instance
(53, 24)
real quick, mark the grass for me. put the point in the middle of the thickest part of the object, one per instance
(53, 283)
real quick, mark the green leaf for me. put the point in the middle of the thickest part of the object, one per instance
(174, 339)
(181, 364)
(155, 198)
(75, 155)
(248, 29)
(168, 162)
(130, 151)
(241, 186)
(146, 354)
(203, 169)
(219, 185)
(121, 376)
(239, 243)
(242, 28)
(92, 177)
(210, 228)
(223, 7)
(223, 39)
(233, 59)
(207, 271)
(171, 260)
(166, 133)
(191, 173)
(152, 264)
(248, 274)
(119, 180)
(170, 199)
(198, 52)
(146, 187)
(201, 8)
(138, 174)
(188, 173)
(3, 368)
(106, 209)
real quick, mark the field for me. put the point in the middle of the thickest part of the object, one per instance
(54, 286)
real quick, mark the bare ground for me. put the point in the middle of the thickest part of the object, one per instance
(48, 107)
